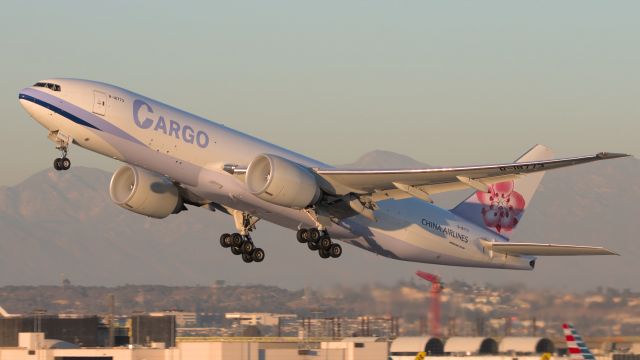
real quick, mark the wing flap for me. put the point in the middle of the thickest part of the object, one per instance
(534, 249)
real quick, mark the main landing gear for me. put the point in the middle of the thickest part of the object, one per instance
(242, 245)
(321, 241)
(241, 242)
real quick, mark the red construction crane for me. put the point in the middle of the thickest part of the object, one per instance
(434, 303)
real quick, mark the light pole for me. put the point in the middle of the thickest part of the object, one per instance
(37, 319)
(137, 314)
(172, 341)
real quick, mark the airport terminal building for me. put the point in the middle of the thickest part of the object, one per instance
(154, 337)
(35, 346)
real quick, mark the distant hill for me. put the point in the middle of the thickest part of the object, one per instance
(381, 159)
(57, 225)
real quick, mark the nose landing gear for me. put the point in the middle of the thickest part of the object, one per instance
(62, 142)
(62, 163)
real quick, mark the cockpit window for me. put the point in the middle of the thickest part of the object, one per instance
(51, 86)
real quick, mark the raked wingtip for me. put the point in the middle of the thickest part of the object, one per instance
(610, 155)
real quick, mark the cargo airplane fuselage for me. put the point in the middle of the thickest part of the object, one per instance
(175, 158)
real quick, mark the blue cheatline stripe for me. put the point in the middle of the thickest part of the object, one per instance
(57, 110)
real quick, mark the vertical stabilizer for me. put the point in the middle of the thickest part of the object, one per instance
(501, 208)
(576, 347)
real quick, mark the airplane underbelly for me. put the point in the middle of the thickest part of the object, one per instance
(398, 238)
(219, 187)
(413, 230)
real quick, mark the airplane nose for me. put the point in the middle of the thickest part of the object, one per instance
(35, 108)
(23, 99)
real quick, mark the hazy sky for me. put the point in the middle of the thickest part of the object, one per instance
(452, 82)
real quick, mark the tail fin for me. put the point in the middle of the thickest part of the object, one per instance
(501, 208)
(576, 347)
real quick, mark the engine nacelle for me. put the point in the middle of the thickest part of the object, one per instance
(282, 182)
(144, 192)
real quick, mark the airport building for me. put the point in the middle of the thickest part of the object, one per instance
(82, 331)
(154, 336)
(183, 318)
(254, 319)
(36, 346)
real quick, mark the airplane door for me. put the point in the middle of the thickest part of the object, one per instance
(99, 102)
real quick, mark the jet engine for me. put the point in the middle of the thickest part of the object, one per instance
(145, 192)
(282, 182)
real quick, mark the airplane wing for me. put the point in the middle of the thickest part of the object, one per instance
(422, 182)
(544, 249)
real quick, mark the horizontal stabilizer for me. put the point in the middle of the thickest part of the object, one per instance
(544, 249)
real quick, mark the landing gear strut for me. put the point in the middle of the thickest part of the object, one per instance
(62, 142)
(318, 238)
(241, 242)
(321, 241)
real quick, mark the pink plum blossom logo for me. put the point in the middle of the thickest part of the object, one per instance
(502, 206)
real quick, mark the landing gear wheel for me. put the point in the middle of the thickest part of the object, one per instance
(236, 250)
(225, 240)
(314, 234)
(247, 258)
(312, 246)
(258, 255)
(57, 164)
(335, 250)
(324, 242)
(247, 247)
(324, 253)
(302, 235)
(236, 240)
(240, 242)
(65, 163)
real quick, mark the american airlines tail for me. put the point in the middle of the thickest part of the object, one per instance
(501, 208)
(576, 347)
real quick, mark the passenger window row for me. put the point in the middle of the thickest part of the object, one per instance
(54, 87)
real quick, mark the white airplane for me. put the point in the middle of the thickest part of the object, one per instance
(174, 158)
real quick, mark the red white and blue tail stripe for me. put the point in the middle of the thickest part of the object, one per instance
(576, 347)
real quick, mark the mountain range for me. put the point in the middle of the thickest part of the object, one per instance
(63, 225)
